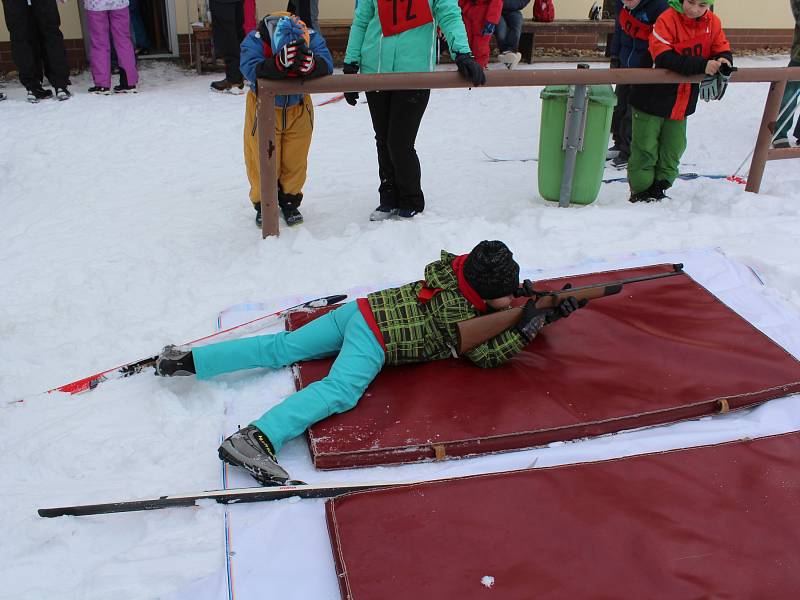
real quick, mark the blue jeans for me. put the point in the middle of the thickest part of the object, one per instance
(786, 117)
(343, 331)
(140, 38)
(508, 31)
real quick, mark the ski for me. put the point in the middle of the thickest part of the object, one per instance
(491, 158)
(232, 496)
(331, 100)
(689, 177)
(92, 381)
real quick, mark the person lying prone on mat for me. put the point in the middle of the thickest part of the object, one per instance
(413, 323)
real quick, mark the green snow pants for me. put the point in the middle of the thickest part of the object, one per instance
(656, 149)
(342, 330)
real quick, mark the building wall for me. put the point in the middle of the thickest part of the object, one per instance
(747, 27)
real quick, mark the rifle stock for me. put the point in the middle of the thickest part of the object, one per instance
(473, 332)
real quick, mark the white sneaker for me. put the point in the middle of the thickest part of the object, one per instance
(382, 213)
(505, 57)
(515, 58)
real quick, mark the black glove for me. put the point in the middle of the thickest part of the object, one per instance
(470, 69)
(533, 319)
(565, 308)
(269, 69)
(614, 62)
(350, 97)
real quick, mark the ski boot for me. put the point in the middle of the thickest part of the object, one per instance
(257, 206)
(175, 361)
(250, 449)
(99, 89)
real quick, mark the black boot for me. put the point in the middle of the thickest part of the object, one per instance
(257, 206)
(289, 204)
(644, 196)
(123, 87)
(658, 189)
(37, 92)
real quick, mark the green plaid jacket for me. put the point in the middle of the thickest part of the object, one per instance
(416, 332)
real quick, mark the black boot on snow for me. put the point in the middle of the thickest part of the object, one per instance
(289, 204)
(645, 196)
(37, 93)
(250, 449)
(175, 361)
(292, 216)
(659, 188)
(257, 206)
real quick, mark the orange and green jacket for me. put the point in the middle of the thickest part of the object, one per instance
(685, 46)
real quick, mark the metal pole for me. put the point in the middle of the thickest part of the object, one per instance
(265, 113)
(574, 127)
(764, 141)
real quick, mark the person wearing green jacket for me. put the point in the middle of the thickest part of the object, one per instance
(792, 94)
(413, 323)
(387, 37)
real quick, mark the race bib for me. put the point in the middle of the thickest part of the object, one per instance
(397, 16)
(633, 26)
(698, 46)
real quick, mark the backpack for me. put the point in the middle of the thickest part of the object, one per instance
(543, 10)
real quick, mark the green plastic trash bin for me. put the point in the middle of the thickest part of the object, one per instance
(591, 160)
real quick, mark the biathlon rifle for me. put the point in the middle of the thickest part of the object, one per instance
(473, 332)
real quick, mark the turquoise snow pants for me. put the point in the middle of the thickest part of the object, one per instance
(342, 330)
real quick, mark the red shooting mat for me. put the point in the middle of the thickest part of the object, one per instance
(658, 352)
(715, 522)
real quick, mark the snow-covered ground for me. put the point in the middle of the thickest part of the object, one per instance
(126, 225)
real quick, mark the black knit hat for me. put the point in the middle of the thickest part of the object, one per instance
(491, 270)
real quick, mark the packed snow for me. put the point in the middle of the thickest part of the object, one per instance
(127, 226)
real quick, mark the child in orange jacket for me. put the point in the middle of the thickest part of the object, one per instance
(687, 38)
(480, 20)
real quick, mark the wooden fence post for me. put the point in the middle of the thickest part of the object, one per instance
(266, 149)
(764, 141)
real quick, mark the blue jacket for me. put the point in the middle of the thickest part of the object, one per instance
(633, 52)
(252, 54)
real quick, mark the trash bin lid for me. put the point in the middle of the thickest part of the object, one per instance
(602, 94)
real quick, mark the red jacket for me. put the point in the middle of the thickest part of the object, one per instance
(685, 46)
(482, 10)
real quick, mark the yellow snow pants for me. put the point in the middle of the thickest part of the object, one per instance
(293, 128)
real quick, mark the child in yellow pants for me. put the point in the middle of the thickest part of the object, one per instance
(282, 47)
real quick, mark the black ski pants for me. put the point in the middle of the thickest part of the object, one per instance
(622, 120)
(396, 116)
(36, 39)
(227, 29)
